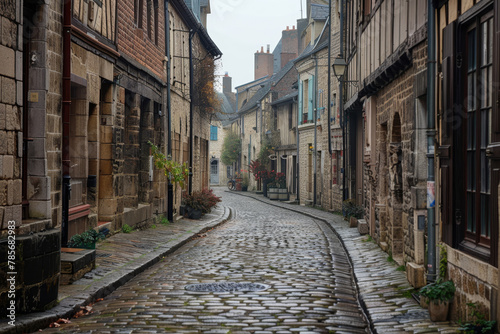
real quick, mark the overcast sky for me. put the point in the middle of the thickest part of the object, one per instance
(241, 27)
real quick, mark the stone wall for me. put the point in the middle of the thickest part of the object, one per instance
(392, 202)
(11, 98)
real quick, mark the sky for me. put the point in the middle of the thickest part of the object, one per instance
(241, 27)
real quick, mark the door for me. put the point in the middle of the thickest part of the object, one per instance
(214, 172)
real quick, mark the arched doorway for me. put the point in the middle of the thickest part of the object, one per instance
(396, 189)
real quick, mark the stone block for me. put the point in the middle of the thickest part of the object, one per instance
(353, 222)
(36, 148)
(37, 167)
(36, 122)
(418, 198)
(7, 65)
(363, 227)
(8, 91)
(106, 186)
(415, 274)
(106, 167)
(106, 69)
(6, 167)
(13, 213)
(40, 209)
(12, 118)
(2, 116)
(39, 188)
(9, 33)
(19, 90)
(3, 192)
(19, 66)
(108, 206)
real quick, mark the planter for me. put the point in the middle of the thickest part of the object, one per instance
(195, 214)
(264, 188)
(244, 188)
(283, 194)
(438, 310)
(273, 193)
(239, 184)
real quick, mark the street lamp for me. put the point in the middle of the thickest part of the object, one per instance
(339, 66)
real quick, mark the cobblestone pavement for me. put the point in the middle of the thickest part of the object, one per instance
(300, 258)
(384, 292)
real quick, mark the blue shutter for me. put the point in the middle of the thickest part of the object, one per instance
(213, 132)
(301, 103)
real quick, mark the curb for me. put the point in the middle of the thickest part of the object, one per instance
(70, 305)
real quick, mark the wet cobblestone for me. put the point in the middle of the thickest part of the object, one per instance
(309, 274)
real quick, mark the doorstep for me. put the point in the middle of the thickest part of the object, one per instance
(76, 262)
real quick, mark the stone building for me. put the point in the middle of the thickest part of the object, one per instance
(77, 108)
(468, 36)
(31, 50)
(220, 174)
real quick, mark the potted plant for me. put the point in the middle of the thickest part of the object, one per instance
(352, 212)
(438, 295)
(86, 239)
(478, 324)
(199, 203)
(245, 182)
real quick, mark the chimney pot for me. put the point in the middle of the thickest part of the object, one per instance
(287, 28)
(293, 28)
(268, 48)
(261, 49)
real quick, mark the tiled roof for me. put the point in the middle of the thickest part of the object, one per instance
(319, 12)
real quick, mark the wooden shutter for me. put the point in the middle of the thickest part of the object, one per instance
(312, 99)
(447, 123)
(496, 74)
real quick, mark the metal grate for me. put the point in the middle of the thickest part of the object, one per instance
(226, 287)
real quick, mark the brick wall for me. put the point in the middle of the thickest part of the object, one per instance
(133, 40)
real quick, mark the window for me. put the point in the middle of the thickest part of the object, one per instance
(213, 132)
(478, 88)
(138, 11)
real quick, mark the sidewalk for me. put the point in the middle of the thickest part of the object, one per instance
(382, 289)
(118, 259)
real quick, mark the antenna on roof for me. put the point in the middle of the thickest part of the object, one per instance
(301, 10)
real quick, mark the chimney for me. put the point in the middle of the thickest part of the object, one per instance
(264, 63)
(289, 45)
(227, 83)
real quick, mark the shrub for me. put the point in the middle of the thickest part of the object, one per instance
(203, 200)
(126, 228)
(351, 209)
(85, 239)
(438, 291)
(231, 148)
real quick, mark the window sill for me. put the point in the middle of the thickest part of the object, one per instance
(476, 251)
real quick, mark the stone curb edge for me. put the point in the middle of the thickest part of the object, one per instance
(69, 306)
(361, 302)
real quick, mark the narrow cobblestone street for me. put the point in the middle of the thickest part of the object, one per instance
(303, 262)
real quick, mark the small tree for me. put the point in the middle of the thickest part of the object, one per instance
(176, 171)
(231, 148)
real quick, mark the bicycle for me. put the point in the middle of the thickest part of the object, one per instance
(231, 184)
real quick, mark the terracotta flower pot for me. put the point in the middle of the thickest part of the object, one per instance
(438, 310)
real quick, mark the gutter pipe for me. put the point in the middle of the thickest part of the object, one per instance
(431, 133)
(170, 186)
(66, 105)
(341, 106)
(329, 99)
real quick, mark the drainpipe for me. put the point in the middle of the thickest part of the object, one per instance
(170, 186)
(315, 108)
(341, 106)
(431, 133)
(298, 147)
(191, 111)
(329, 99)
(66, 104)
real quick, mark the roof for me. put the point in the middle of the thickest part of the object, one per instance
(319, 12)
(228, 107)
(194, 24)
(261, 93)
(286, 98)
(319, 44)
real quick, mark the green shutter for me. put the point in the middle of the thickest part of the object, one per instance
(301, 103)
(311, 99)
